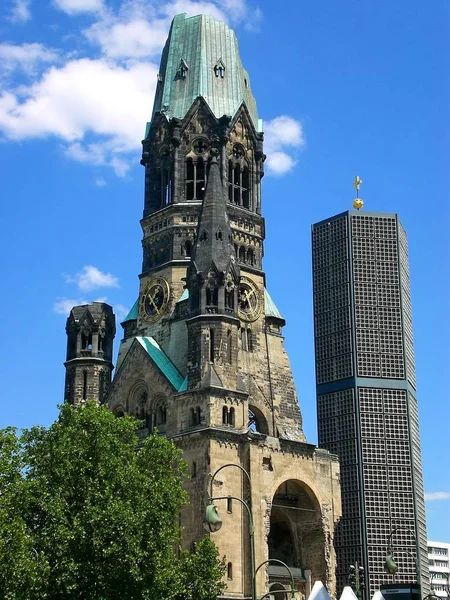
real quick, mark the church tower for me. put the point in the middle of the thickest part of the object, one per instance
(90, 334)
(202, 358)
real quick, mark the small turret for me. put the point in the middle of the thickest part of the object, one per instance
(90, 332)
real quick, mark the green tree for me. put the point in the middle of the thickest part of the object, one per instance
(93, 518)
(202, 572)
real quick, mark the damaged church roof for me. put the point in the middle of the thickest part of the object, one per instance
(201, 58)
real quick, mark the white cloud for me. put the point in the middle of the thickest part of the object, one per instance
(73, 7)
(25, 56)
(281, 133)
(134, 39)
(85, 97)
(279, 163)
(253, 23)
(431, 496)
(20, 11)
(121, 311)
(100, 182)
(91, 278)
(63, 306)
(192, 8)
(100, 154)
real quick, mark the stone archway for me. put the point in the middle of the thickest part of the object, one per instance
(257, 421)
(278, 590)
(296, 533)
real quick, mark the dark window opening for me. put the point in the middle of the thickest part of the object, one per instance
(219, 69)
(245, 188)
(238, 184)
(229, 298)
(229, 571)
(281, 543)
(84, 385)
(194, 470)
(257, 421)
(249, 340)
(196, 416)
(229, 505)
(211, 345)
(231, 416)
(225, 415)
(190, 176)
(229, 347)
(86, 341)
(195, 178)
(250, 257)
(212, 297)
(188, 248)
(244, 339)
(101, 386)
(200, 180)
(242, 254)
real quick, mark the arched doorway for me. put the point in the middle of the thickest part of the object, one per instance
(296, 534)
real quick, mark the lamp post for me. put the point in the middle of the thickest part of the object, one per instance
(356, 579)
(390, 565)
(212, 523)
(432, 595)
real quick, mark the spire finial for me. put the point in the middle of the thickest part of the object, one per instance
(357, 202)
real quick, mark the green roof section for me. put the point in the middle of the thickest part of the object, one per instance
(184, 296)
(270, 309)
(183, 386)
(133, 314)
(162, 361)
(201, 58)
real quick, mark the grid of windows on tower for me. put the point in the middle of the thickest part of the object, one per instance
(332, 301)
(378, 317)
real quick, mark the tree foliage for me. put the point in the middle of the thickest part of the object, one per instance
(86, 515)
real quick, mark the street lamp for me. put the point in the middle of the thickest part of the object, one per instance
(390, 565)
(432, 595)
(356, 579)
(212, 523)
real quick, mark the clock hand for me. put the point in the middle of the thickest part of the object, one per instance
(152, 303)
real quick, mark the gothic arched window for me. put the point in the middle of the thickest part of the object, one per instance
(196, 171)
(239, 178)
(166, 180)
(250, 257)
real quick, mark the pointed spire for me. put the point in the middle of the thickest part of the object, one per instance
(214, 243)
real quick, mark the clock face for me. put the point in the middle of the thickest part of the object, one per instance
(250, 302)
(154, 300)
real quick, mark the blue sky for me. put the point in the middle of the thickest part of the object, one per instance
(345, 88)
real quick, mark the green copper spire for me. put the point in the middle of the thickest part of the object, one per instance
(201, 58)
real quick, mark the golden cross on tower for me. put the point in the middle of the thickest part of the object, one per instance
(357, 202)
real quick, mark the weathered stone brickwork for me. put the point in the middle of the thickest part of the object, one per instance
(90, 334)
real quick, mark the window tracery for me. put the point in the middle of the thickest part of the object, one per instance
(238, 177)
